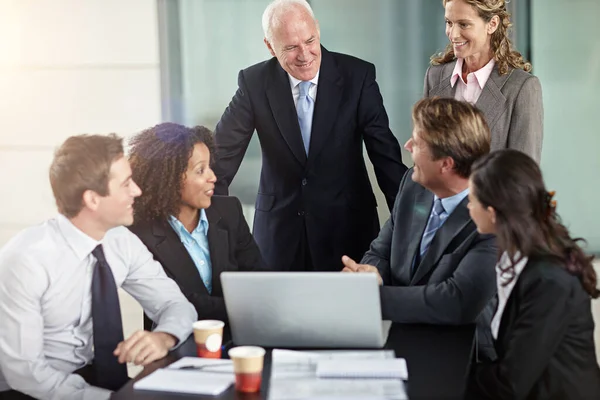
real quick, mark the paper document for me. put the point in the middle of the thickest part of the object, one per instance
(313, 389)
(185, 381)
(203, 364)
(294, 376)
(303, 364)
(390, 368)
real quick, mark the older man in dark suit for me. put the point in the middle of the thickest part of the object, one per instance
(433, 265)
(312, 109)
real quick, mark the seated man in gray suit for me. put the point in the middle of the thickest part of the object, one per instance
(433, 265)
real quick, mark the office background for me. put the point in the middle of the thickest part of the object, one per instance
(99, 66)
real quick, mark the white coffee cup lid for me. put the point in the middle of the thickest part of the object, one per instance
(246, 352)
(208, 324)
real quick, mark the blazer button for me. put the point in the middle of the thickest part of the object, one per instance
(301, 213)
(304, 182)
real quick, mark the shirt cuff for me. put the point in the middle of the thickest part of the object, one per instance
(180, 335)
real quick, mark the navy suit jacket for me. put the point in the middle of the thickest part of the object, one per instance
(326, 195)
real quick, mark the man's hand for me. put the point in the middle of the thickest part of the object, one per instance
(351, 266)
(144, 347)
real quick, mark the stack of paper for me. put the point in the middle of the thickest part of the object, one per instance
(190, 375)
(394, 368)
(295, 375)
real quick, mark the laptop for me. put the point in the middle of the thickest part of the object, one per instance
(304, 309)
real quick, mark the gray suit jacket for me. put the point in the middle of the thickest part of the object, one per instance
(455, 281)
(511, 103)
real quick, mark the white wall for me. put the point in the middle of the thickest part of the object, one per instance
(68, 67)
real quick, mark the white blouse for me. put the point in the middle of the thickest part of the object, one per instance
(505, 290)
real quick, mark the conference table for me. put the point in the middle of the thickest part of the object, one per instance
(438, 359)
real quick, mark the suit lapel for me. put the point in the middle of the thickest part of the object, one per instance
(180, 265)
(281, 101)
(422, 209)
(218, 244)
(444, 88)
(329, 96)
(491, 101)
(455, 223)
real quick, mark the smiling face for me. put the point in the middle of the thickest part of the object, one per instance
(296, 44)
(426, 170)
(469, 34)
(116, 208)
(198, 180)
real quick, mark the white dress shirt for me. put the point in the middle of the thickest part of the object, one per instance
(312, 91)
(45, 305)
(505, 290)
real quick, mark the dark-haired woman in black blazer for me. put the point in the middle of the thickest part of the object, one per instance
(543, 325)
(193, 234)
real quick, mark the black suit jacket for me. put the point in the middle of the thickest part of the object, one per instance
(231, 247)
(327, 194)
(545, 341)
(455, 280)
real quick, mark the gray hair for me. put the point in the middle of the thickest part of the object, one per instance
(276, 9)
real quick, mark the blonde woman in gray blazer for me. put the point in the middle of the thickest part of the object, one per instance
(480, 66)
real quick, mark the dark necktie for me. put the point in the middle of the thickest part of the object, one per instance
(433, 224)
(108, 328)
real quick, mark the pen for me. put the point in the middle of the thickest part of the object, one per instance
(206, 366)
(227, 343)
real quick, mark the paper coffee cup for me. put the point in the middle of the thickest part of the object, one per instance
(208, 335)
(247, 365)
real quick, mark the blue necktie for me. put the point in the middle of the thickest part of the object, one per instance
(108, 327)
(305, 108)
(434, 223)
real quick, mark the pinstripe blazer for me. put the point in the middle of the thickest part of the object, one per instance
(511, 103)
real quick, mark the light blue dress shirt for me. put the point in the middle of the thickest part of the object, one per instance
(450, 203)
(196, 243)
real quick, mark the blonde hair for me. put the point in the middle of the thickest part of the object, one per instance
(82, 163)
(454, 129)
(504, 55)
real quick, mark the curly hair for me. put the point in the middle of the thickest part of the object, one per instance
(504, 55)
(159, 159)
(526, 219)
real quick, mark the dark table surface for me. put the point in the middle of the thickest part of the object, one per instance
(438, 359)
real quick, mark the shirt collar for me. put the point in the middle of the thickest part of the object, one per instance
(481, 75)
(295, 82)
(201, 228)
(450, 203)
(80, 243)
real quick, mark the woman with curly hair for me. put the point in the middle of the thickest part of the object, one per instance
(543, 326)
(480, 66)
(193, 234)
